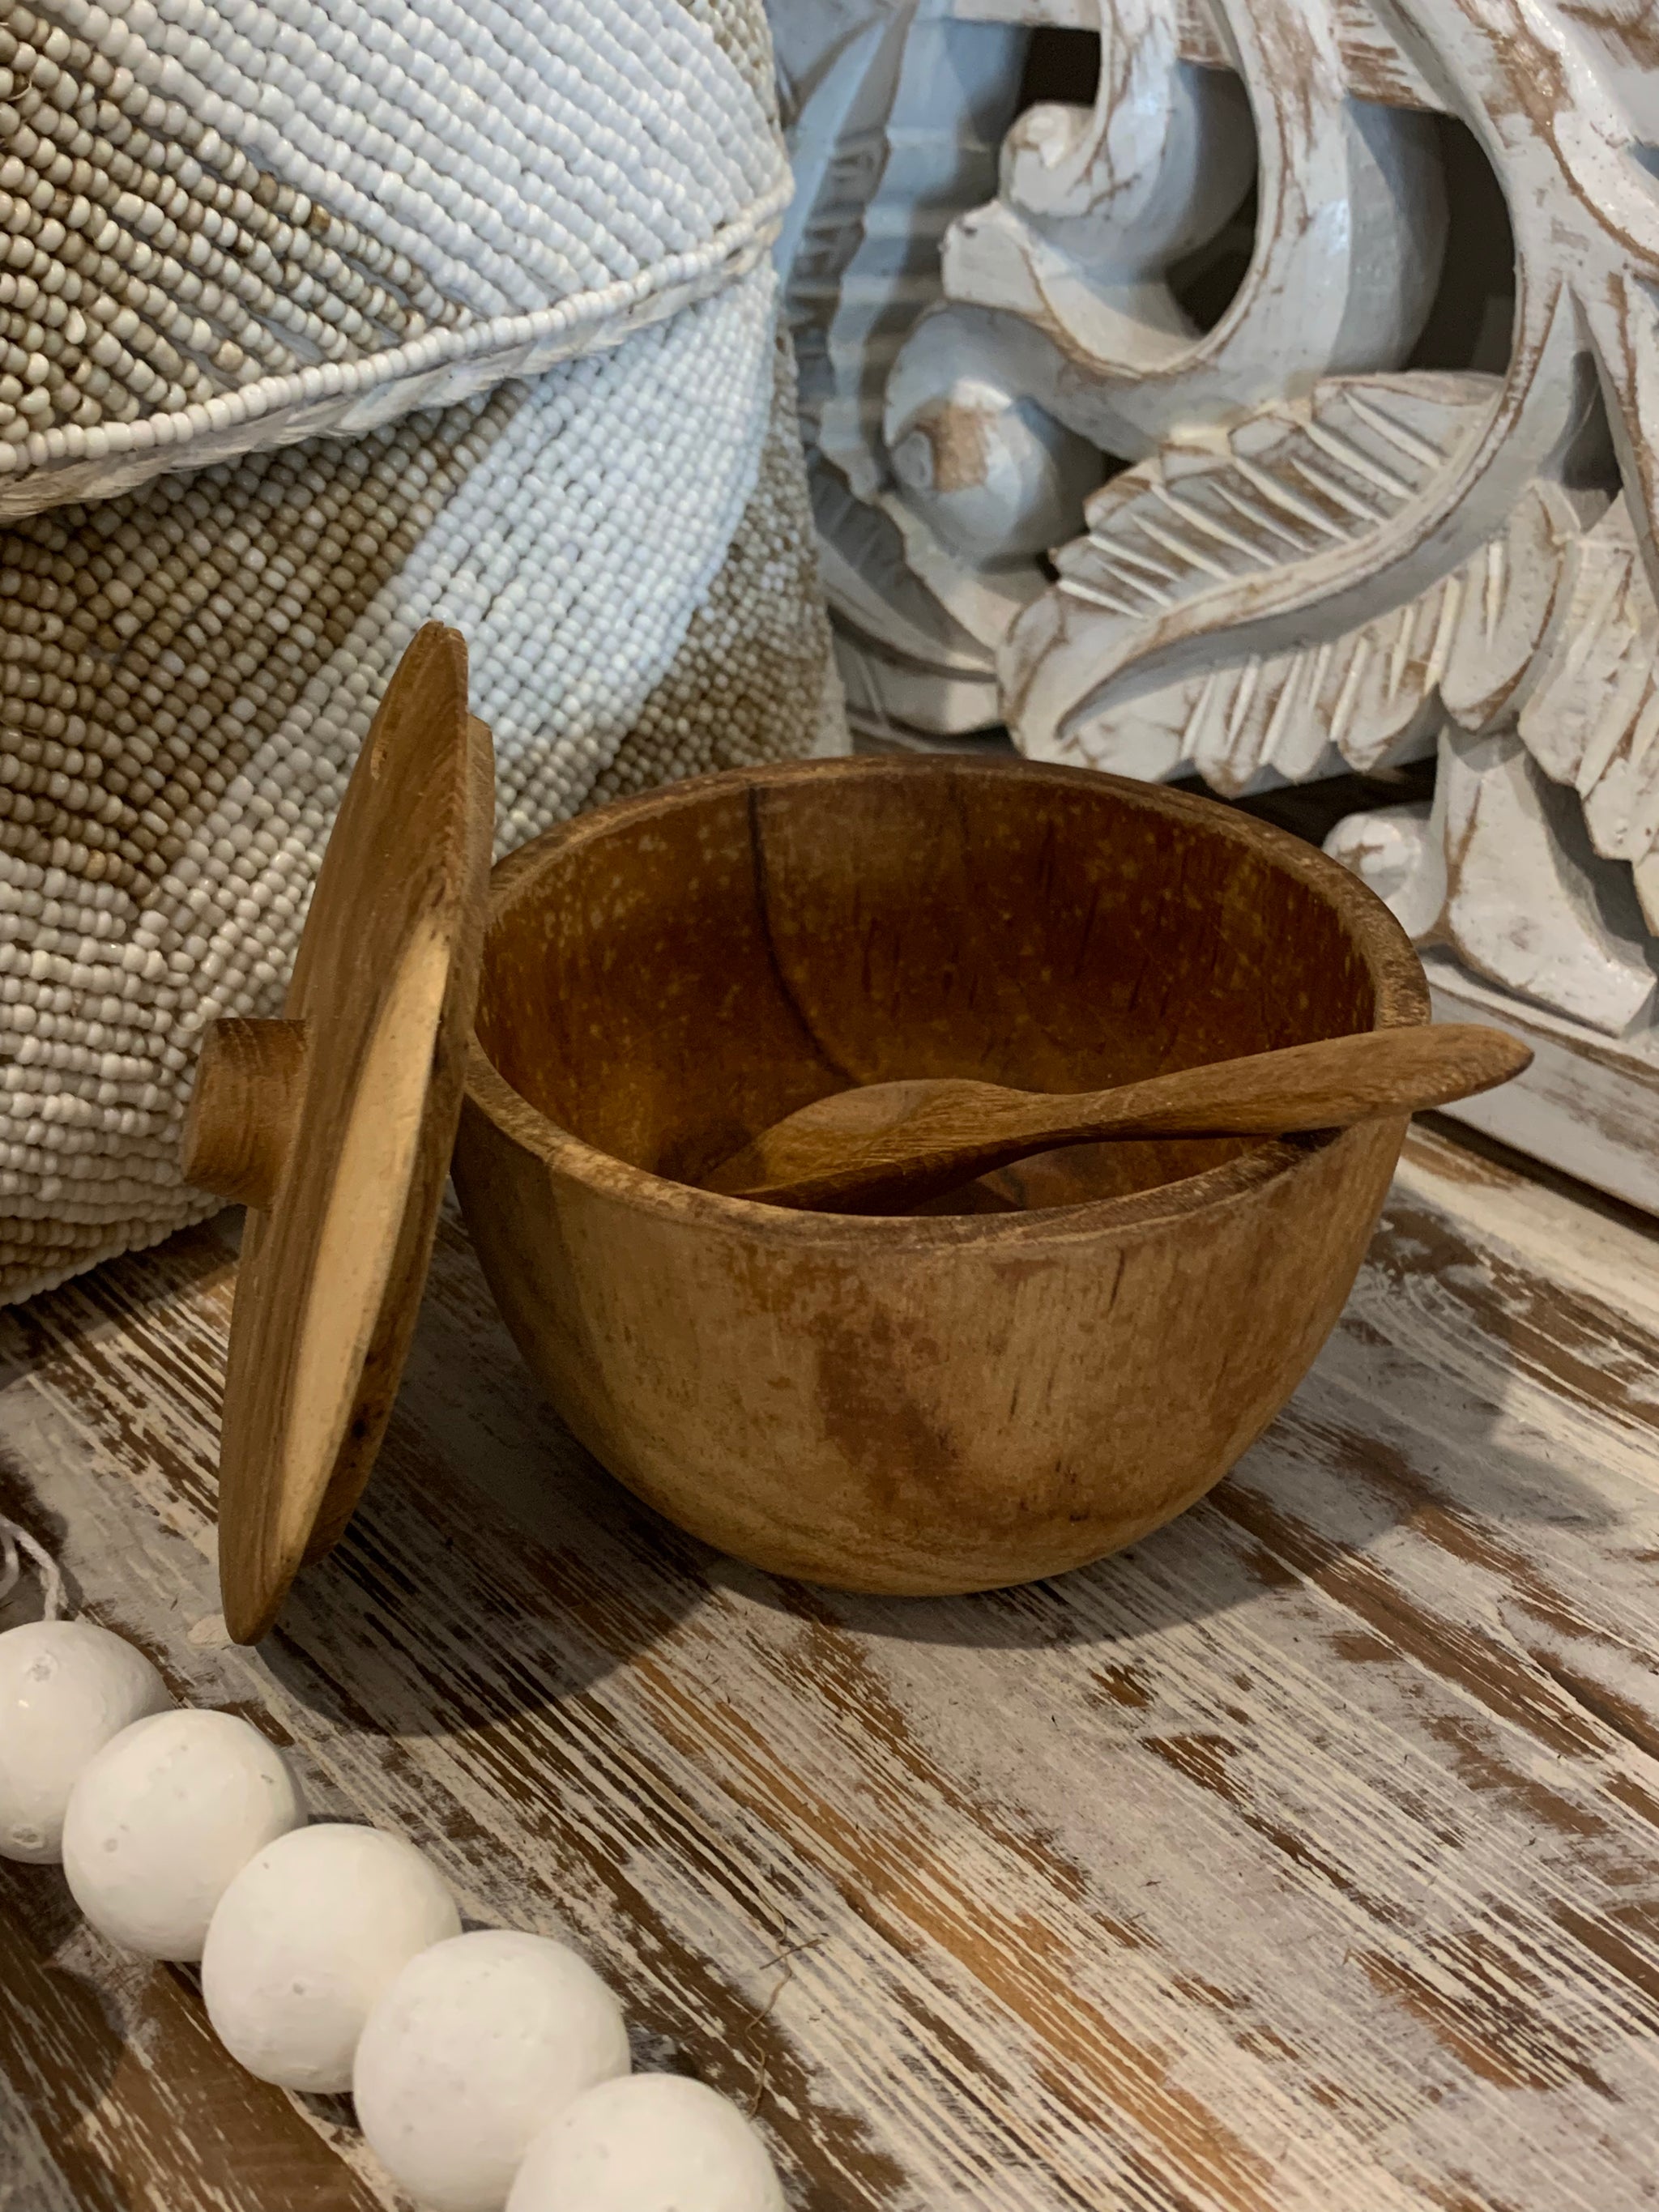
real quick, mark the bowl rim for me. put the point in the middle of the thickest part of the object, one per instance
(1397, 976)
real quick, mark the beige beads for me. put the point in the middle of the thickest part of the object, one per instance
(186, 673)
(136, 281)
(216, 214)
(509, 256)
(151, 644)
(753, 680)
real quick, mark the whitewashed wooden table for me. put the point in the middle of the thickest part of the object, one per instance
(1304, 1858)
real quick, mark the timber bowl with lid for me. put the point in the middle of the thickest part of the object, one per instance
(1039, 1369)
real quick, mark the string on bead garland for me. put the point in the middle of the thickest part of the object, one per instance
(15, 1539)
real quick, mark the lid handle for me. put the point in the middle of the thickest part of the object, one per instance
(245, 1109)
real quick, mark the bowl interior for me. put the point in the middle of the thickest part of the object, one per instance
(665, 978)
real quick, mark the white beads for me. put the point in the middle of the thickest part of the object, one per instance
(66, 1689)
(654, 2142)
(163, 1817)
(333, 1956)
(305, 1940)
(473, 2048)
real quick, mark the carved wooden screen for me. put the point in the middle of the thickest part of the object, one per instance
(1211, 414)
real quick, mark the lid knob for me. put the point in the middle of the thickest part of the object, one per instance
(245, 1109)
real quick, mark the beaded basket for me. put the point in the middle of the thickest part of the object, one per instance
(322, 319)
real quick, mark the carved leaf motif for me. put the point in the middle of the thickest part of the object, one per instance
(1285, 484)
(1551, 627)
(1591, 716)
(1283, 488)
(1551, 619)
(1510, 592)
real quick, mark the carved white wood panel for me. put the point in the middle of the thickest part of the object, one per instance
(1263, 548)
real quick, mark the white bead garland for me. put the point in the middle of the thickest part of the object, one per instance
(162, 1818)
(306, 1940)
(470, 2050)
(67, 1688)
(484, 2064)
(649, 2142)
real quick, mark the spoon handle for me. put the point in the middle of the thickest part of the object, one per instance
(897, 1144)
(1328, 1084)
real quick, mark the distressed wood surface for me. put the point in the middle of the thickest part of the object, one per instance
(1301, 1859)
(1373, 66)
(1589, 1101)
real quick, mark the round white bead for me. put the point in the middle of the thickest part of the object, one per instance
(654, 2142)
(477, 2043)
(164, 1817)
(304, 1940)
(66, 1689)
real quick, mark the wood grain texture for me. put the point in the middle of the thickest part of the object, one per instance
(1301, 1859)
(915, 1405)
(1588, 1105)
(1372, 65)
(337, 1123)
(130, 2101)
(1498, 871)
(245, 1109)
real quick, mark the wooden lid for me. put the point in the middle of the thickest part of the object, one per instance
(334, 1125)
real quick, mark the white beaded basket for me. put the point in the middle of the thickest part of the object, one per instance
(322, 319)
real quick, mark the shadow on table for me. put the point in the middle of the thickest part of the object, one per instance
(512, 1571)
(561, 1578)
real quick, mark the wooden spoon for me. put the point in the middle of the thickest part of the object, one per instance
(888, 1146)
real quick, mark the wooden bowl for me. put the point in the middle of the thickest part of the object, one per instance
(994, 1392)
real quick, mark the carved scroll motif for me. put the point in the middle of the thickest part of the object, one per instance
(1314, 559)
(1568, 576)
(972, 365)
(896, 111)
(1586, 216)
